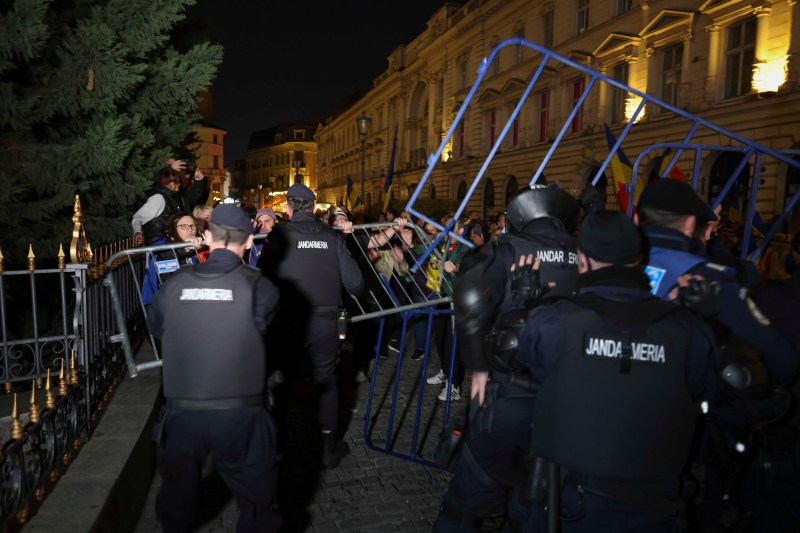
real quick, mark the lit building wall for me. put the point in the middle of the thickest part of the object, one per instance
(276, 158)
(676, 50)
(210, 159)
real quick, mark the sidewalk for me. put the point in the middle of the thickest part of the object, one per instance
(370, 490)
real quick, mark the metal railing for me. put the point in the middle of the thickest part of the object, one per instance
(687, 133)
(59, 366)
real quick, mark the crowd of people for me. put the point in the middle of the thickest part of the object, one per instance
(624, 375)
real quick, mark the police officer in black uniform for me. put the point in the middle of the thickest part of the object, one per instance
(214, 380)
(310, 265)
(494, 453)
(667, 212)
(620, 372)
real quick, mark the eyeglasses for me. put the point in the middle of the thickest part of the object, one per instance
(187, 226)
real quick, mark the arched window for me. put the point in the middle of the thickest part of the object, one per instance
(488, 197)
(721, 172)
(462, 191)
(432, 191)
(512, 186)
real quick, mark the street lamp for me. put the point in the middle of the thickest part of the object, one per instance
(364, 123)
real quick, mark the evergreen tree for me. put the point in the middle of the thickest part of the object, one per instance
(94, 94)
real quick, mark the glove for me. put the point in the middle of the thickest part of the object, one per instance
(701, 296)
(526, 283)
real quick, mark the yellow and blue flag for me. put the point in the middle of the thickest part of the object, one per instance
(622, 172)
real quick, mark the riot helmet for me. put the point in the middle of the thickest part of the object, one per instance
(541, 201)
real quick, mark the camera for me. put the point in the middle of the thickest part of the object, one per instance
(191, 167)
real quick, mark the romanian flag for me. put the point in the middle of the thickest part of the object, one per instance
(387, 187)
(662, 161)
(622, 172)
(352, 195)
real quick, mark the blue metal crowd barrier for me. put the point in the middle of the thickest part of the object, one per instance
(551, 61)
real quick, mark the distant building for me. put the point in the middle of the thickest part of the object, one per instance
(210, 150)
(735, 63)
(276, 158)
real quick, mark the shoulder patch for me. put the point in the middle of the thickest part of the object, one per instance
(756, 312)
(655, 275)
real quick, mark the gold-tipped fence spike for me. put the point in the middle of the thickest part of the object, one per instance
(62, 382)
(34, 413)
(31, 259)
(62, 258)
(49, 397)
(73, 370)
(2, 266)
(16, 425)
(7, 386)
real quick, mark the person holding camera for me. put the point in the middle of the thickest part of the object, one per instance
(166, 199)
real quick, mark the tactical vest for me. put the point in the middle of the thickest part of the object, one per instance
(156, 229)
(212, 347)
(311, 263)
(558, 252)
(617, 404)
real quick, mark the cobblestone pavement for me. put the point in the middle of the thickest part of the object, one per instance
(370, 490)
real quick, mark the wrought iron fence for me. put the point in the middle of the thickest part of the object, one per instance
(57, 352)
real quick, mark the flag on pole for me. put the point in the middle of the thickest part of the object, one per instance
(661, 164)
(622, 172)
(387, 187)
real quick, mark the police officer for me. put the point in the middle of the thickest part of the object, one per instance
(620, 372)
(668, 212)
(310, 265)
(494, 454)
(214, 382)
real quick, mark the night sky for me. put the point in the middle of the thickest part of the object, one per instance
(288, 60)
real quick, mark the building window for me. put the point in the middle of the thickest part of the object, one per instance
(544, 115)
(278, 138)
(739, 56)
(618, 96)
(792, 183)
(462, 74)
(216, 161)
(623, 6)
(582, 16)
(671, 73)
(462, 191)
(432, 192)
(520, 34)
(461, 139)
(547, 29)
(488, 198)
(299, 135)
(577, 90)
(515, 132)
(512, 187)
(492, 127)
(216, 139)
(494, 69)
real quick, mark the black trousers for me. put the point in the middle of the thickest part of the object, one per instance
(242, 442)
(323, 346)
(492, 464)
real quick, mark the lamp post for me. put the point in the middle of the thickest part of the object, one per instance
(364, 123)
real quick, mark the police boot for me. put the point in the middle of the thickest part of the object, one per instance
(332, 450)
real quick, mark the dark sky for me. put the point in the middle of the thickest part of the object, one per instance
(285, 60)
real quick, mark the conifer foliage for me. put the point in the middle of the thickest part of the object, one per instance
(94, 94)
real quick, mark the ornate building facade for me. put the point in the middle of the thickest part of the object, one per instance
(731, 62)
(210, 150)
(276, 158)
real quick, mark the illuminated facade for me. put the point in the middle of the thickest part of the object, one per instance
(276, 158)
(735, 63)
(210, 151)
(210, 156)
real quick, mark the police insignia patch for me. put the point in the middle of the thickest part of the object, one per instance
(756, 312)
(655, 275)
